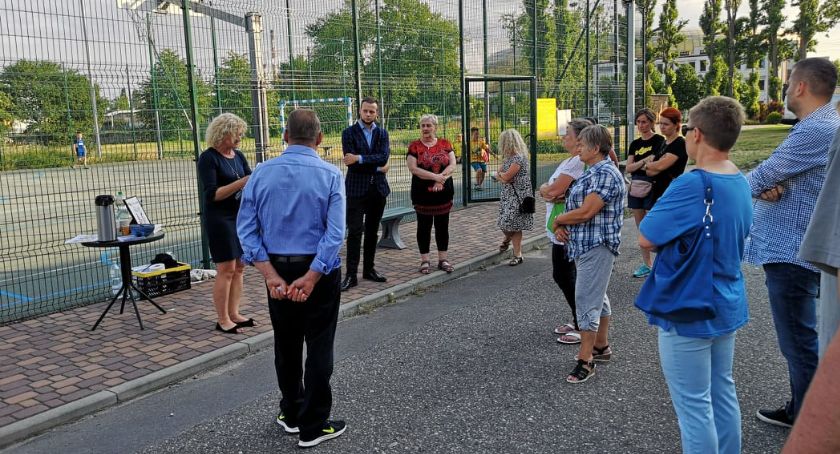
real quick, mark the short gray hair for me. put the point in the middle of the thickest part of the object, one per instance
(432, 118)
(226, 124)
(578, 124)
(511, 143)
(596, 136)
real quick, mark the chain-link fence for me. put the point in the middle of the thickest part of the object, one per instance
(118, 72)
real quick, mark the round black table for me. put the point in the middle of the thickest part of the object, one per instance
(125, 270)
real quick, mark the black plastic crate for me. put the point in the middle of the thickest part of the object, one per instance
(163, 282)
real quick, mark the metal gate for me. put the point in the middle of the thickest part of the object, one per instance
(493, 104)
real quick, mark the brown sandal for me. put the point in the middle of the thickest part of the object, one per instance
(444, 265)
(425, 267)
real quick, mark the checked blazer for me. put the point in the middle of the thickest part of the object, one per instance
(359, 176)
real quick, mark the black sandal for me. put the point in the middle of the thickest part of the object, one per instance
(444, 265)
(425, 267)
(504, 246)
(581, 373)
(233, 330)
(246, 323)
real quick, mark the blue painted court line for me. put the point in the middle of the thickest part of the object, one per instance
(16, 296)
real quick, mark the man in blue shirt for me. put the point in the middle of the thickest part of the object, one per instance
(366, 150)
(785, 188)
(291, 226)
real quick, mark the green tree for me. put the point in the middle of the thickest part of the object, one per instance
(55, 101)
(711, 25)
(172, 95)
(419, 51)
(647, 9)
(688, 87)
(234, 86)
(120, 102)
(750, 46)
(732, 56)
(6, 115)
(569, 62)
(773, 20)
(669, 37)
(807, 25)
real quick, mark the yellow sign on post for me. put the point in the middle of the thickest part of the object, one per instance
(546, 118)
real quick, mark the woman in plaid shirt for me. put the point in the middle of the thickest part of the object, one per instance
(591, 227)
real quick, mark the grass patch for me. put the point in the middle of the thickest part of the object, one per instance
(756, 144)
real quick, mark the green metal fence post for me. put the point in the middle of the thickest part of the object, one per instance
(465, 182)
(485, 70)
(153, 78)
(185, 8)
(357, 59)
(131, 110)
(291, 51)
(379, 58)
(215, 64)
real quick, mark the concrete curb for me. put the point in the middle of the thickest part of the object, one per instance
(34, 425)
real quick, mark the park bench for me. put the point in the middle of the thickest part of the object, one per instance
(391, 219)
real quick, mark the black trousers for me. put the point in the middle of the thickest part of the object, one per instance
(424, 232)
(564, 273)
(307, 396)
(363, 216)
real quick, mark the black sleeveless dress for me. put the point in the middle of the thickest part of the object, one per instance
(214, 171)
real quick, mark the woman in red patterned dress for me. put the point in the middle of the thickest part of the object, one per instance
(431, 162)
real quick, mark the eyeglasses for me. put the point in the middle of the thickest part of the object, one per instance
(686, 129)
(784, 90)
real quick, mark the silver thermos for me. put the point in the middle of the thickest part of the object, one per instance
(106, 225)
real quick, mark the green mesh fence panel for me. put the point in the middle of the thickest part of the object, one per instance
(117, 71)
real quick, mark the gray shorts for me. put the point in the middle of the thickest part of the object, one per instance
(593, 276)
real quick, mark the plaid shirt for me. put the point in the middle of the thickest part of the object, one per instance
(605, 180)
(798, 164)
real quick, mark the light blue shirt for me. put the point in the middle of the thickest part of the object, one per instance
(798, 164)
(677, 213)
(293, 204)
(368, 135)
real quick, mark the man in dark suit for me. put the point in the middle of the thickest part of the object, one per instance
(366, 151)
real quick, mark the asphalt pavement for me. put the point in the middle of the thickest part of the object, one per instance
(468, 367)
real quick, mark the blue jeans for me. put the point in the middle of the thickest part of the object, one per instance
(793, 299)
(699, 376)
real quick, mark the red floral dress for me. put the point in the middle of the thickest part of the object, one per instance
(433, 159)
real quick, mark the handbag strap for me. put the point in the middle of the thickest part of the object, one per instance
(708, 200)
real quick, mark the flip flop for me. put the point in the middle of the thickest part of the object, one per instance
(569, 338)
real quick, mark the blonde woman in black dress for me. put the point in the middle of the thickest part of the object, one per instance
(223, 171)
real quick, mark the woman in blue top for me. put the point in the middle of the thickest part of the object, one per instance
(697, 355)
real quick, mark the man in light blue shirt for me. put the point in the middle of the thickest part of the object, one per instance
(785, 188)
(291, 226)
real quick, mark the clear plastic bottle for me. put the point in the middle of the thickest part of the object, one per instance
(121, 215)
(115, 275)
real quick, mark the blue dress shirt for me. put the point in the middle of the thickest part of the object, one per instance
(798, 164)
(293, 205)
(368, 136)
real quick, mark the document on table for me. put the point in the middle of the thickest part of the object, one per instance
(83, 238)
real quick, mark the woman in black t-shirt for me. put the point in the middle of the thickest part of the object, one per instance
(223, 172)
(642, 151)
(669, 163)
